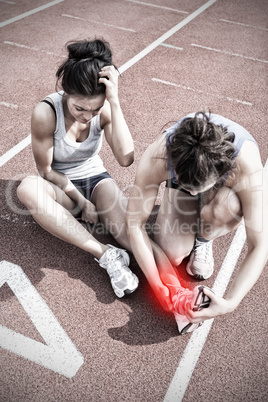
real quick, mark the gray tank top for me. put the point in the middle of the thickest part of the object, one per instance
(241, 135)
(77, 160)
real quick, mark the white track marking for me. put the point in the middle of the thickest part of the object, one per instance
(28, 13)
(244, 25)
(96, 22)
(186, 367)
(9, 105)
(157, 6)
(59, 354)
(33, 49)
(7, 2)
(164, 37)
(9, 154)
(15, 150)
(171, 46)
(230, 53)
(200, 91)
(183, 374)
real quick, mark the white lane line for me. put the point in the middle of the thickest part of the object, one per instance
(9, 105)
(183, 374)
(157, 6)
(164, 37)
(28, 13)
(202, 92)
(171, 46)
(195, 345)
(230, 53)
(96, 22)
(7, 2)
(59, 353)
(244, 25)
(33, 49)
(6, 157)
(15, 150)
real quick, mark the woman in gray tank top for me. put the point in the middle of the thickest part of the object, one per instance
(67, 129)
(214, 177)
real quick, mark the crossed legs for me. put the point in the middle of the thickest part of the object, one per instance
(55, 212)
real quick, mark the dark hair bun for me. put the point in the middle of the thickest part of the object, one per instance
(79, 74)
(86, 50)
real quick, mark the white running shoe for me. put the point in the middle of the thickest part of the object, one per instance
(201, 262)
(197, 300)
(184, 325)
(115, 261)
(180, 300)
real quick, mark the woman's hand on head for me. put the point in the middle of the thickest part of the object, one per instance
(109, 77)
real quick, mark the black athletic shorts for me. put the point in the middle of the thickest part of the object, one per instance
(87, 186)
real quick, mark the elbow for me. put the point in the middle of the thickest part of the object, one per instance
(45, 172)
(127, 160)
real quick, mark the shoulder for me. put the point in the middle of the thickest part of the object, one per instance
(43, 119)
(153, 163)
(248, 169)
(249, 159)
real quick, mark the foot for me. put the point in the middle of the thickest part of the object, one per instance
(115, 261)
(184, 325)
(196, 299)
(180, 300)
(201, 263)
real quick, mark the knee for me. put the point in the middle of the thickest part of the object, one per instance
(177, 250)
(234, 206)
(23, 189)
(222, 210)
(176, 258)
(26, 189)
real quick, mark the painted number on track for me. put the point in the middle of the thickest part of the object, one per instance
(59, 354)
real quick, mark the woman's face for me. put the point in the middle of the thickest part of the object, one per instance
(83, 109)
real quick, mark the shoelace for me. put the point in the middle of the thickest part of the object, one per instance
(182, 297)
(202, 252)
(113, 265)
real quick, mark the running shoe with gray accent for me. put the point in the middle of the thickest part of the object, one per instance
(115, 261)
(201, 262)
(180, 301)
(196, 299)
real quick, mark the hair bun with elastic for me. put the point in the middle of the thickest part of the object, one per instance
(89, 50)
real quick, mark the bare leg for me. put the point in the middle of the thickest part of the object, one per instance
(177, 224)
(111, 206)
(221, 215)
(51, 207)
(167, 273)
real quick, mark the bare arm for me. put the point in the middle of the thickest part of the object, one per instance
(254, 199)
(115, 127)
(252, 189)
(42, 128)
(150, 257)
